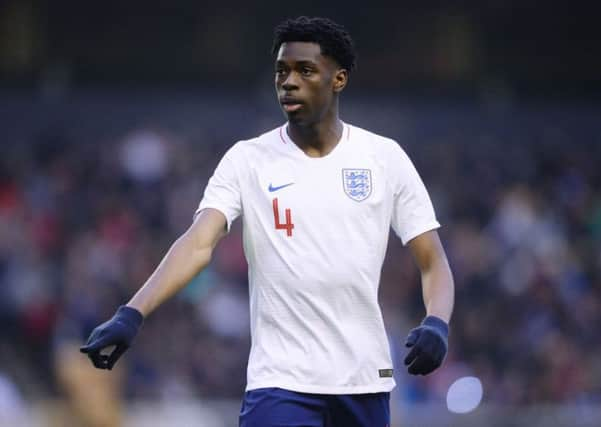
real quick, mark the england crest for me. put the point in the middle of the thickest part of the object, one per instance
(357, 183)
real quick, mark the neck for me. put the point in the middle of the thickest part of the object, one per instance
(319, 138)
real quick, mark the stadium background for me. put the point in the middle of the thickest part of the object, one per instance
(113, 116)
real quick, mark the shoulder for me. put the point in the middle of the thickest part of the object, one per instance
(382, 145)
(241, 150)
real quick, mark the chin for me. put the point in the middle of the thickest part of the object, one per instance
(299, 119)
(294, 118)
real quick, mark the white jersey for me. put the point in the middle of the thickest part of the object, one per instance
(315, 235)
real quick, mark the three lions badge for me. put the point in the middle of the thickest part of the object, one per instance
(357, 183)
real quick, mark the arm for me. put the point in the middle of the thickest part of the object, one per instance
(429, 341)
(189, 255)
(437, 279)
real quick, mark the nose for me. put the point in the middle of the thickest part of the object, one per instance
(289, 82)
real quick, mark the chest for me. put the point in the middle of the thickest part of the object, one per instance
(323, 192)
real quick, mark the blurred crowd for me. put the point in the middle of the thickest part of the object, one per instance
(86, 216)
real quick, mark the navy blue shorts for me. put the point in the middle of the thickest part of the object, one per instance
(275, 407)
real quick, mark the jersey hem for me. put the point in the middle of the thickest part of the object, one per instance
(317, 389)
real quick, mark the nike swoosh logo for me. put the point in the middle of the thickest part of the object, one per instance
(279, 187)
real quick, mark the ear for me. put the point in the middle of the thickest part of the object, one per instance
(340, 80)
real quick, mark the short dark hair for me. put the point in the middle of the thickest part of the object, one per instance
(332, 38)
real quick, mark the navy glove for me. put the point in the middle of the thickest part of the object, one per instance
(428, 343)
(119, 331)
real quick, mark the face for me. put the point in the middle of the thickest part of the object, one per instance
(307, 82)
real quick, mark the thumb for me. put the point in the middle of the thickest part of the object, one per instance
(411, 341)
(412, 337)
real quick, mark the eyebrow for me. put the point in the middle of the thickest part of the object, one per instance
(301, 62)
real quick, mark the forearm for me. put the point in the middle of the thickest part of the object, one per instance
(438, 289)
(184, 260)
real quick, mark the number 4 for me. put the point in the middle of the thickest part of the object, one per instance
(288, 225)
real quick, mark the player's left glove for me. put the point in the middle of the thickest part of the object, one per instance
(428, 343)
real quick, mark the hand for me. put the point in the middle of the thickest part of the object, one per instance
(119, 331)
(428, 343)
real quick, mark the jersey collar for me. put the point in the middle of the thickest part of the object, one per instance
(285, 138)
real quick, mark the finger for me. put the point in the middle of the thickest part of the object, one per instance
(413, 354)
(96, 345)
(412, 338)
(98, 360)
(115, 355)
(86, 348)
(422, 365)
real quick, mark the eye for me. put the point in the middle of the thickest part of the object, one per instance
(306, 71)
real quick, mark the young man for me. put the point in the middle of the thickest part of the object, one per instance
(317, 197)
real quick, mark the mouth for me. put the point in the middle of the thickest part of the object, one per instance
(290, 105)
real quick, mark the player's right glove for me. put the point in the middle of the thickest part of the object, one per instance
(119, 331)
(429, 345)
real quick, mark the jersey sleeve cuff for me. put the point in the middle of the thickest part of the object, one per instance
(228, 218)
(413, 233)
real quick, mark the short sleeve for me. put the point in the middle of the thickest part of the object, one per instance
(412, 213)
(223, 189)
